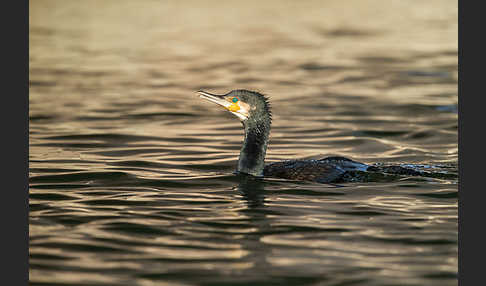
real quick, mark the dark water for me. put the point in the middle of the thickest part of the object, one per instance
(131, 177)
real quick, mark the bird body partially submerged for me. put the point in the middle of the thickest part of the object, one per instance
(304, 170)
(253, 110)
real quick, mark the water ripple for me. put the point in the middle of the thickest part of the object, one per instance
(131, 175)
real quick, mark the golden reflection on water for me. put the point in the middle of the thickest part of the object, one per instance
(131, 172)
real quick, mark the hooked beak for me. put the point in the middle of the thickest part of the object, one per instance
(234, 108)
(218, 99)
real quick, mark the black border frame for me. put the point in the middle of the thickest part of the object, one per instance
(14, 22)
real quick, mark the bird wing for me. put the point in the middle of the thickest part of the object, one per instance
(307, 170)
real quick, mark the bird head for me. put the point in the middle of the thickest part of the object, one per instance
(244, 104)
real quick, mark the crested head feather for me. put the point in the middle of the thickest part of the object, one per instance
(265, 99)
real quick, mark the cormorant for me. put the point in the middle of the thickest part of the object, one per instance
(253, 110)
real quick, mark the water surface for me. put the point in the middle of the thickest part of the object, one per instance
(131, 174)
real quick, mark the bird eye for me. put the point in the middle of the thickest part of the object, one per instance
(235, 99)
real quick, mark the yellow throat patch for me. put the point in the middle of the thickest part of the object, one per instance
(233, 107)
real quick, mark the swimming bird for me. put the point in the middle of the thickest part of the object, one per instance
(254, 112)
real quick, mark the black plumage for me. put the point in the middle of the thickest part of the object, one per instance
(253, 110)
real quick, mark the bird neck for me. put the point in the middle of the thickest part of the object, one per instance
(252, 154)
